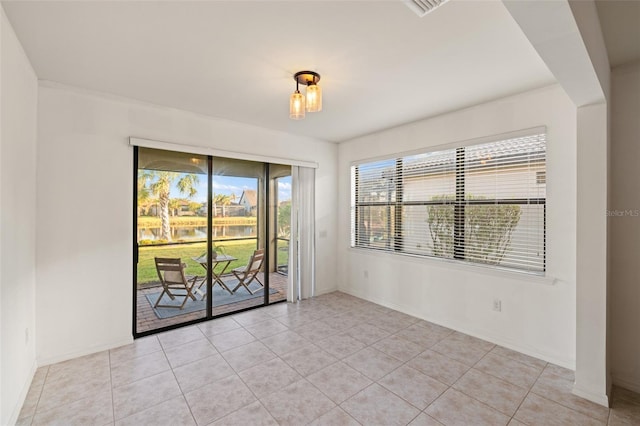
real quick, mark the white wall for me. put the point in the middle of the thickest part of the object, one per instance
(537, 318)
(592, 377)
(624, 227)
(84, 221)
(592, 374)
(567, 36)
(19, 93)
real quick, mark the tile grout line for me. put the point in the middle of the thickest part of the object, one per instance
(504, 380)
(361, 390)
(35, 410)
(184, 397)
(332, 364)
(251, 390)
(528, 392)
(113, 404)
(256, 339)
(408, 402)
(264, 405)
(207, 384)
(306, 379)
(474, 398)
(403, 363)
(144, 378)
(565, 406)
(83, 398)
(569, 408)
(449, 387)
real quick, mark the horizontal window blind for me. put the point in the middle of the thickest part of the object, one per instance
(376, 193)
(483, 203)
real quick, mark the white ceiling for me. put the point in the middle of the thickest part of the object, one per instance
(620, 22)
(381, 64)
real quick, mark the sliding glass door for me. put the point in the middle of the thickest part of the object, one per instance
(171, 216)
(281, 178)
(279, 230)
(238, 228)
(210, 237)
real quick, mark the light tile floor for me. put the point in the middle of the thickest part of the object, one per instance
(332, 360)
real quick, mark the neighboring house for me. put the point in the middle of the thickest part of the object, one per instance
(182, 209)
(249, 201)
(152, 210)
(232, 209)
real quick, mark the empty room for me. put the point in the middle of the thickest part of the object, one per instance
(327, 212)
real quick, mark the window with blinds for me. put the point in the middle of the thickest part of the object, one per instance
(483, 203)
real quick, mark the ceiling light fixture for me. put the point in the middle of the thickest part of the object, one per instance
(313, 102)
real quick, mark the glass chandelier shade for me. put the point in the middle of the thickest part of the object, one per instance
(296, 106)
(314, 98)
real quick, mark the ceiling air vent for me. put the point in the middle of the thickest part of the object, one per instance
(422, 7)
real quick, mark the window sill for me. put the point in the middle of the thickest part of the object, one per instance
(461, 266)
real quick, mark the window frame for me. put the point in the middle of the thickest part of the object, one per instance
(395, 243)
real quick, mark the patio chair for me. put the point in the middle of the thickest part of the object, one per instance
(247, 274)
(171, 274)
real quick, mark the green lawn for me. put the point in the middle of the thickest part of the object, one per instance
(283, 252)
(241, 250)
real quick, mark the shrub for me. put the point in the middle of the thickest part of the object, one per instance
(487, 230)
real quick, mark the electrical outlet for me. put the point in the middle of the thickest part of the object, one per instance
(366, 274)
(497, 305)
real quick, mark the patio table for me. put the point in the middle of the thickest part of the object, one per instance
(221, 259)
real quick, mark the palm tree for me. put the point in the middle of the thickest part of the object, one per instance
(144, 194)
(223, 200)
(159, 184)
(174, 205)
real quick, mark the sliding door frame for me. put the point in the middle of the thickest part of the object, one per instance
(209, 305)
(266, 183)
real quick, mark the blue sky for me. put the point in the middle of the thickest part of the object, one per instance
(229, 185)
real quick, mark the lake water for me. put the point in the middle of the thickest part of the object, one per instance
(199, 232)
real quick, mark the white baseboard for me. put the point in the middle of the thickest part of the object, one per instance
(562, 362)
(13, 419)
(602, 399)
(629, 383)
(93, 349)
(327, 290)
